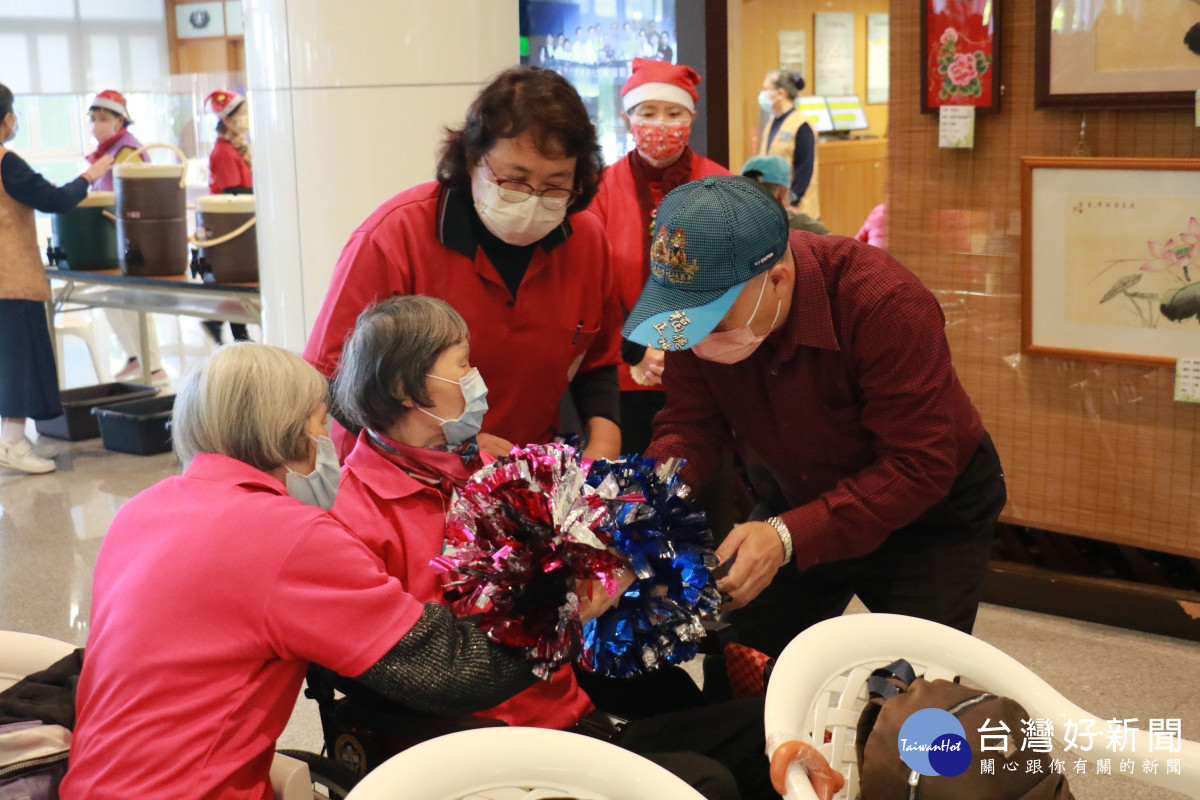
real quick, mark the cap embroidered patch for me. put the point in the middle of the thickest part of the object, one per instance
(668, 257)
(677, 321)
(709, 238)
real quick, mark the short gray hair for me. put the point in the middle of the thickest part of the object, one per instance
(247, 401)
(394, 345)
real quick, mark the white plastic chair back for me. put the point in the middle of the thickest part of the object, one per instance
(819, 684)
(23, 653)
(81, 324)
(523, 763)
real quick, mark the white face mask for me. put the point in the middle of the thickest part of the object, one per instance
(766, 102)
(16, 126)
(516, 223)
(469, 422)
(319, 487)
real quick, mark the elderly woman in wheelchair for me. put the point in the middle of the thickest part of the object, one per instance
(214, 589)
(406, 381)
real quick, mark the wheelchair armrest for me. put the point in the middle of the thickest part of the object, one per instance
(403, 722)
(717, 634)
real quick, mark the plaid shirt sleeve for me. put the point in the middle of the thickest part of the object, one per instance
(902, 361)
(691, 425)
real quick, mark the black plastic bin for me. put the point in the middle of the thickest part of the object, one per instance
(141, 427)
(77, 421)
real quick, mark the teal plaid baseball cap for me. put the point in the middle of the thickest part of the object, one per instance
(709, 238)
(773, 169)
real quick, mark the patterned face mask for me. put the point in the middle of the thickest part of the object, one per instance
(660, 141)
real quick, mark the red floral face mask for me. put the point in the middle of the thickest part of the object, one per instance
(660, 141)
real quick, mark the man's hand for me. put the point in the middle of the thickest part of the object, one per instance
(494, 445)
(759, 557)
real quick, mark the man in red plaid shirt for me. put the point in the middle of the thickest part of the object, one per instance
(826, 361)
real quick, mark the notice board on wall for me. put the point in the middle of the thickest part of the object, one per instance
(878, 58)
(833, 59)
(792, 56)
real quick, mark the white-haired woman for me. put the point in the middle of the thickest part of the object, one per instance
(214, 590)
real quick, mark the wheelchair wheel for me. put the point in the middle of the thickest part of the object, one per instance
(329, 779)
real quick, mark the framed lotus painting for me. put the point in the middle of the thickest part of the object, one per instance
(1111, 258)
(960, 54)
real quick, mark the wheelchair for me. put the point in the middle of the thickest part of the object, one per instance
(362, 729)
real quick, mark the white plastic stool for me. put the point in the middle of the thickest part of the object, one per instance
(75, 323)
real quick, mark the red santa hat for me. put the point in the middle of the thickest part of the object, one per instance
(113, 101)
(660, 80)
(223, 102)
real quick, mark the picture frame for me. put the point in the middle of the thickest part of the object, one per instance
(960, 54)
(1110, 261)
(1109, 59)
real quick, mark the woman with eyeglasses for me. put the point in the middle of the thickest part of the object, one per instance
(503, 236)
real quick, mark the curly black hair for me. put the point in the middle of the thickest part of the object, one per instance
(526, 100)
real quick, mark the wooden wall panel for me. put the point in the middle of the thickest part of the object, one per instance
(213, 54)
(853, 176)
(1090, 448)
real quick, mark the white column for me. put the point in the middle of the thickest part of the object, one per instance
(348, 99)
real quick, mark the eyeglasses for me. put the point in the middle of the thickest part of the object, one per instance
(555, 198)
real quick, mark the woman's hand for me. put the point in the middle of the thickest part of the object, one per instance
(594, 599)
(648, 371)
(493, 445)
(97, 171)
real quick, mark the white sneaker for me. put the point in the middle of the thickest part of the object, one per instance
(131, 370)
(43, 448)
(20, 456)
(160, 378)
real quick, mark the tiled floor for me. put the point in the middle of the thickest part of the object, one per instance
(52, 526)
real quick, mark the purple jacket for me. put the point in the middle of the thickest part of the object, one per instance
(127, 139)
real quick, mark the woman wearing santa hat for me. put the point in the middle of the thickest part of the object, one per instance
(229, 162)
(110, 120)
(229, 169)
(660, 107)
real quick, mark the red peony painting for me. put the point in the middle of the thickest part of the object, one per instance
(959, 67)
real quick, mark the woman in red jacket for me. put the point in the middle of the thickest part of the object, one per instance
(229, 169)
(405, 377)
(229, 162)
(660, 107)
(504, 237)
